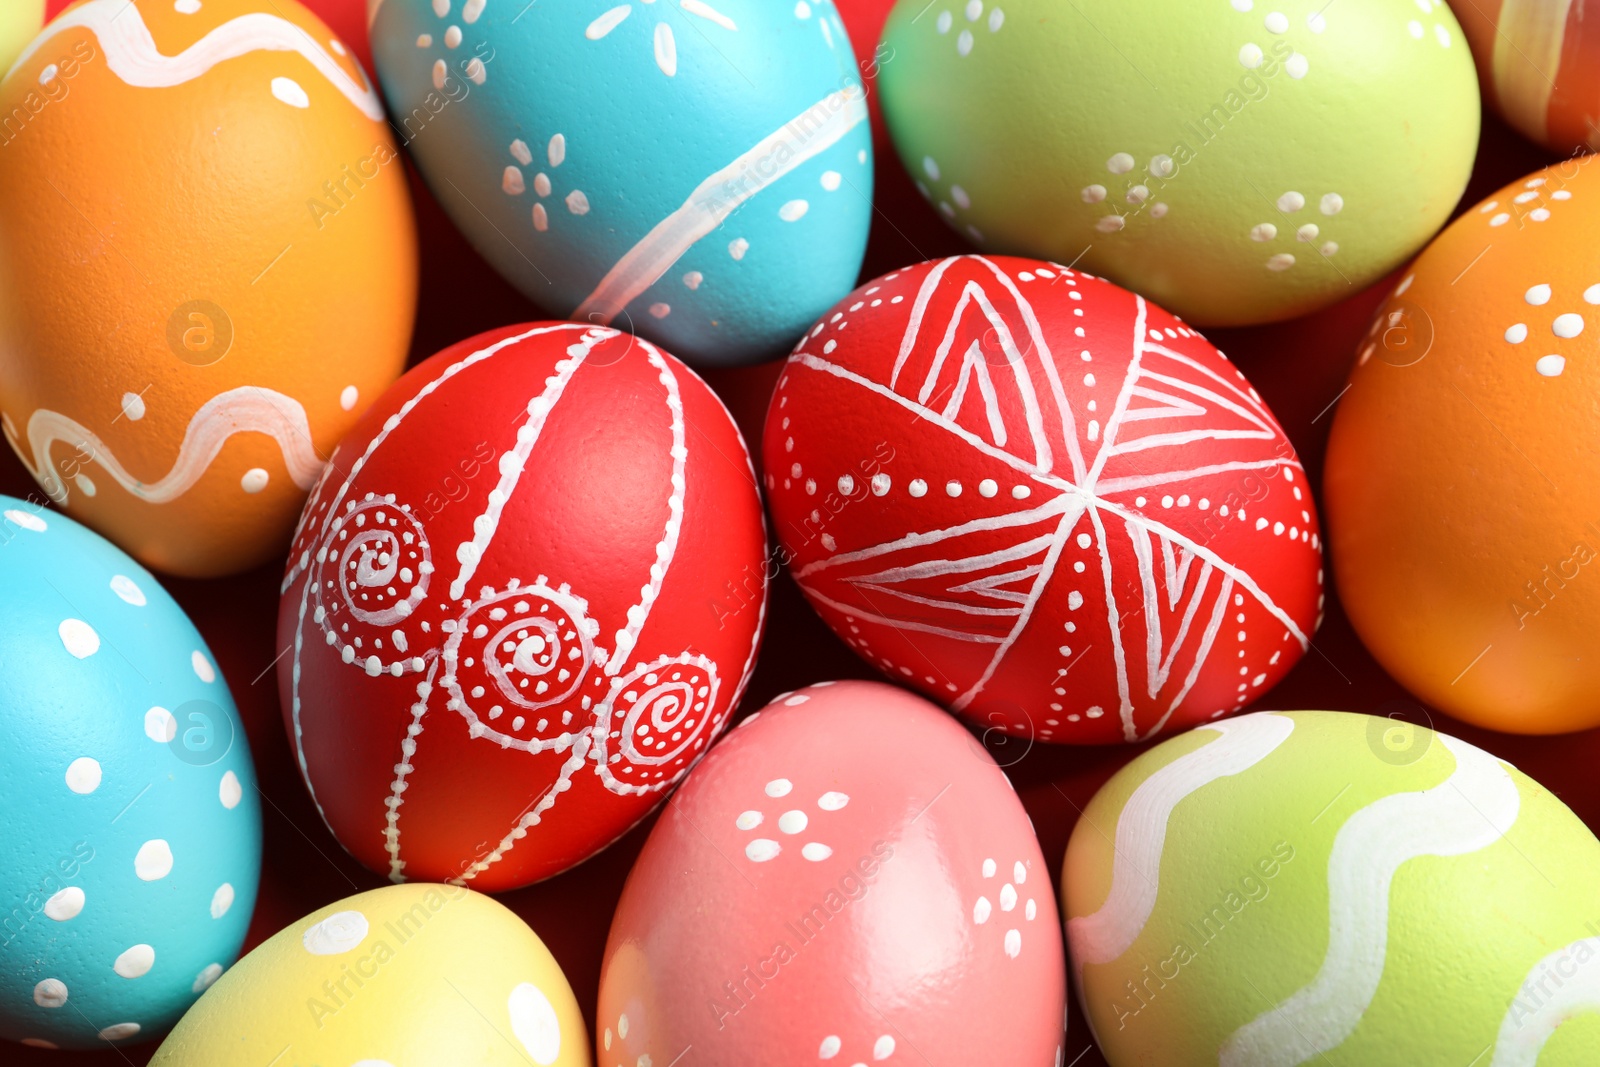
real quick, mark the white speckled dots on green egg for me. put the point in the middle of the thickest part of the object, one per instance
(131, 847)
(1334, 889)
(1238, 161)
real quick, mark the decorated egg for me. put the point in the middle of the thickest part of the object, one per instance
(400, 975)
(1538, 63)
(1043, 501)
(1461, 473)
(243, 271)
(1165, 144)
(132, 846)
(1324, 887)
(19, 21)
(699, 173)
(805, 898)
(523, 599)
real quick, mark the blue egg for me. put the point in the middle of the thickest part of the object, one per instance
(131, 848)
(696, 171)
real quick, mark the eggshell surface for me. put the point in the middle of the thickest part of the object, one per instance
(522, 602)
(1539, 65)
(1166, 143)
(1043, 501)
(1460, 478)
(699, 173)
(1325, 887)
(394, 977)
(191, 317)
(847, 877)
(132, 848)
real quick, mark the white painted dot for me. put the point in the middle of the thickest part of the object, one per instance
(1332, 203)
(34, 523)
(1442, 34)
(1093, 194)
(1264, 231)
(964, 43)
(1013, 943)
(1591, 295)
(229, 791)
(221, 900)
(815, 851)
(135, 962)
(1568, 325)
(1296, 66)
(128, 590)
(153, 861)
(203, 669)
(255, 479)
(880, 484)
(918, 487)
(79, 638)
(987, 487)
(1277, 22)
(535, 1024)
(1307, 233)
(793, 822)
(186, 7)
(660, 310)
(831, 180)
(335, 935)
(930, 168)
(1251, 56)
(779, 787)
(793, 210)
(1281, 261)
(959, 195)
(118, 1031)
(133, 406)
(1500, 220)
(64, 904)
(577, 202)
(1517, 333)
(748, 820)
(288, 90)
(1291, 201)
(1020, 492)
(761, 850)
(1121, 163)
(83, 775)
(1550, 366)
(832, 801)
(207, 978)
(1074, 600)
(1537, 295)
(50, 993)
(738, 247)
(883, 1048)
(830, 1047)
(348, 397)
(952, 488)
(159, 725)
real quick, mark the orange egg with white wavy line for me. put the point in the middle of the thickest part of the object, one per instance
(207, 269)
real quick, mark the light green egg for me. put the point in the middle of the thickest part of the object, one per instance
(1333, 889)
(1237, 161)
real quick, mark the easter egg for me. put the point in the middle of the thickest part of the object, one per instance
(243, 271)
(1324, 887)
(1043, 501)
(1539, 65)
(132, 846)
(19, 21)
(406, 974)
(1461, 476)
(847, 877)
(1166, 145)
(699, 173)
(521, 603)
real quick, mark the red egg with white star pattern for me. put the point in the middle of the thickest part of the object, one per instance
(1043, 501)
(848, 878)
(507, 625)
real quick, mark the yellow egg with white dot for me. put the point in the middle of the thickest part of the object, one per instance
(403, 976)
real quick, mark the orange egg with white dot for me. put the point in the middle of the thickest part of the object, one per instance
(207, 269)
(1463, 471)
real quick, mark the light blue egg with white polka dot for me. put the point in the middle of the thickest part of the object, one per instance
(696, 171)
(131, 846)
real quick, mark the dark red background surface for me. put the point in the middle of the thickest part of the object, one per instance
(1299, 367)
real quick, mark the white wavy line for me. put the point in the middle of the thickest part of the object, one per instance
(132, 55)
(531, 817)
(1537, 1011)
(667, 547)
(713, 200)
(1469, 811)
(247, 409)
(1141, 832)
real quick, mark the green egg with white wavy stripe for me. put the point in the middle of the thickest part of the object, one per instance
(1237, 161)
(1336, 889)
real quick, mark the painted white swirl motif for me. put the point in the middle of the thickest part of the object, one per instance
(370, 574)
(519, 662)
(1066, 492)
(657, 719)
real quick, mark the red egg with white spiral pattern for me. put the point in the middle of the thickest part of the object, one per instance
(523, 599)
(1042, 500)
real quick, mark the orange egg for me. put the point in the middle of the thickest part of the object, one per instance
(1463, 472)
(207, 269)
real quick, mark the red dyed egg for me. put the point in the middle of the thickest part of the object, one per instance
(507, 622)
(849, 879)
(1042, 500)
